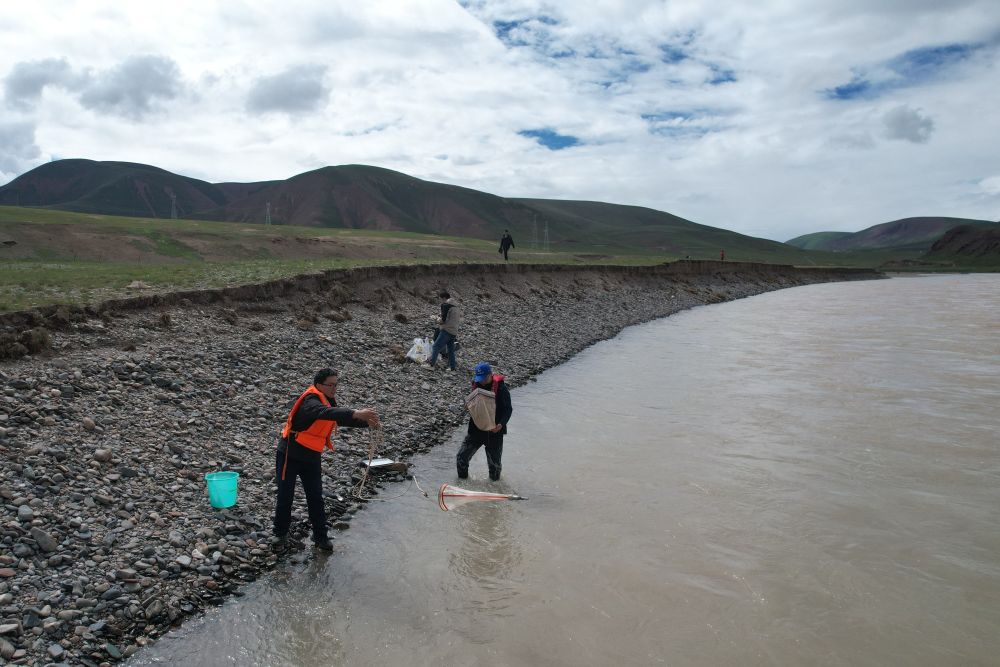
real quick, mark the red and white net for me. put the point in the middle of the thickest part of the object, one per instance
(450, 497)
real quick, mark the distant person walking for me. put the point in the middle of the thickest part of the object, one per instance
(506, 243)
(306, 434)
(722, 255)
(475, 438)
(447, 334)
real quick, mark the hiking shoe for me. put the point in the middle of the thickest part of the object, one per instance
(279, 542)
(323, 544)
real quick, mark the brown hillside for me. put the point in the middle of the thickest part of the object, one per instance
(361, 197)
(916, 233)
(115, 188)
(968, 241)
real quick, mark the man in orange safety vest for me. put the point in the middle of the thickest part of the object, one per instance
(307, 432)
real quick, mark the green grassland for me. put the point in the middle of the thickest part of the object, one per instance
(50, 256)
(79, 258)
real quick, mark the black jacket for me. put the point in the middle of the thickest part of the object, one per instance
(503, 412)
(309, 411)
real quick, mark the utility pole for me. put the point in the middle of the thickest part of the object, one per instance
(546, 236)
(534, 231)
(267, 216)
(173, 206)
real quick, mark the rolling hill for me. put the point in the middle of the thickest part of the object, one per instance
(372, 198)
(816, 240)
(904, 234)
(112, 188)
(968, 244)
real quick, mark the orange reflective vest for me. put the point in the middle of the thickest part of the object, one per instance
(317, 436)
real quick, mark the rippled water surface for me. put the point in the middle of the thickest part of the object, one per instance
(810, 476)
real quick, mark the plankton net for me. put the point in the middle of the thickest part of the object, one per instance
(450, 497)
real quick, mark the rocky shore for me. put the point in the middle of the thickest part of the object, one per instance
(107, 536)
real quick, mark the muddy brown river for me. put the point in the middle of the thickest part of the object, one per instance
(806, 477)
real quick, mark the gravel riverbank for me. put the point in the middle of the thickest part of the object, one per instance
(107, 536)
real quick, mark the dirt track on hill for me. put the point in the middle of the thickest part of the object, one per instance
(107, 537)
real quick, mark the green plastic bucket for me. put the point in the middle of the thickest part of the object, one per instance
(222, 488)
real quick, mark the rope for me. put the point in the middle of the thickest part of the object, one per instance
(375, 443)
(360, 492)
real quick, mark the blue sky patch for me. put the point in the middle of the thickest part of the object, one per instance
(624, 71)
(858, 87)
(692, 123)
(661, 116)
(671, 54)
(721, 75)
(926, 62)
(564, 53)
(911, 68)
(694, 131)
(551, 139)
(503, 30)
(508, 31)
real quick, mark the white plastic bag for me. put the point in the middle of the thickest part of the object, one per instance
(482, 405)
(421, 350)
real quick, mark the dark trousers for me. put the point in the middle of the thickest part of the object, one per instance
(312, 483)
(471, 445)
(443, 341)
(505, 254)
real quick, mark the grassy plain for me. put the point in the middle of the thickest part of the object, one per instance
(50, 257)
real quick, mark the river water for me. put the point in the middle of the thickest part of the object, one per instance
(805, 477)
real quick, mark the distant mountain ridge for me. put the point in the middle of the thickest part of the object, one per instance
(113, 188)
(366, 197)
(968, 242)
(917, 233)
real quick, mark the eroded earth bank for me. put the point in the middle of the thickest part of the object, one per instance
(107, 536)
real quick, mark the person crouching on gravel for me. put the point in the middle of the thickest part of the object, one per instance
(307, 432)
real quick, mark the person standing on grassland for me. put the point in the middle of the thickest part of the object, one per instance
(506, 243)
(722, 255)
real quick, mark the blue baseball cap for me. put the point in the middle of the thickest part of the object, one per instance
(483, 371)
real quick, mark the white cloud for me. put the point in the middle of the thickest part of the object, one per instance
(298, 89)
(133, 87)
(129, 89)
(18, 150)
(990, 185)
(908, 125)
(709, 110)
(24, 84)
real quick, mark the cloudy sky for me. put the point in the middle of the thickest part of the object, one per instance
(772, 118)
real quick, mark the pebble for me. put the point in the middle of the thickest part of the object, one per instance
(45, 541)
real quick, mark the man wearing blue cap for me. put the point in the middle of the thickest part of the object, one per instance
(485, 378)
